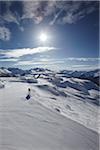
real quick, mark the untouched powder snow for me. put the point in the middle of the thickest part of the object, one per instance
(28, 125)
(76, 100)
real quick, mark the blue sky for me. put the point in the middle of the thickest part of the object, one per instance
(71, 27)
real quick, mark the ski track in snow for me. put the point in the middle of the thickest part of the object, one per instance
(28, 125)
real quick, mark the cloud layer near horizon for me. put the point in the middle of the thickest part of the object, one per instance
(70, 62)
(16, 53)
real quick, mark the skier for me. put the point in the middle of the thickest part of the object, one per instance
(29, 94)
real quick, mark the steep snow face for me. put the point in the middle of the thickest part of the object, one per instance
(28, 125)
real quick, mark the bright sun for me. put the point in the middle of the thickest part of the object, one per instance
(43, 37)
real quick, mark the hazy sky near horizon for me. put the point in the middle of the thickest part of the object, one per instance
(71, 29)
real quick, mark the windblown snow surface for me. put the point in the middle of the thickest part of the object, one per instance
(62, 114)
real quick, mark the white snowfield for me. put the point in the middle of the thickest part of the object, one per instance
(42, 123)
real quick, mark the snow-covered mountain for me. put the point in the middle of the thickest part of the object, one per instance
(46, 73)
(5, 72)
(62, 105)
(17, 71)
(92, 75)
(68, 95)
(65, 73)
(84, 74)
(83, 81)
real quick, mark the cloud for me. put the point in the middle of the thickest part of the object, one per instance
(82, 59)
(61, 12)
(84, 67)
(9, 60)
(39, 62)
(68, 63)
(33, 10)
(75, 11)
(7, 15)
(10, 17)
(59, 63)
(5, 34)
(21, 28)
(16, 53)
(28, 63)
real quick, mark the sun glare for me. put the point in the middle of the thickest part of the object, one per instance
(43, 37)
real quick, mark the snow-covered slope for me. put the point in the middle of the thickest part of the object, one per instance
(74, 98)
(63, 105)
(28, 125)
